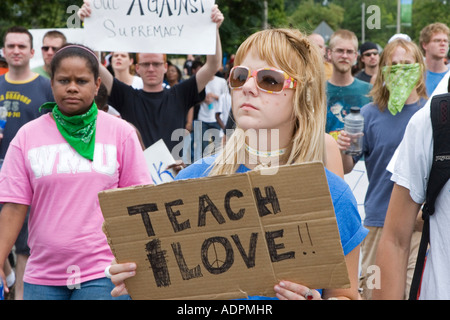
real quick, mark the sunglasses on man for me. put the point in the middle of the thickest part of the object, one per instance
(46, 48)
(368, 54)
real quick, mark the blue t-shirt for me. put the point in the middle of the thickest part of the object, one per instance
(341, 99)
(349, 223)
(22, 101)
(383, 132)
(432, 79)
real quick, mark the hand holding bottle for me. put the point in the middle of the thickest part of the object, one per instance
(351, 139)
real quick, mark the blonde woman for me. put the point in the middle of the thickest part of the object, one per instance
(399, 92)
(122, 64)
(278, 101)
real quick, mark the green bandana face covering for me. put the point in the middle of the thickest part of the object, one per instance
(400, 80)
(78, 131)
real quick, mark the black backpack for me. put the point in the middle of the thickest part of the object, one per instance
(439, 175)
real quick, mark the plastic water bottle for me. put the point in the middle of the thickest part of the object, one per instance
(2, 290)
(354, 126)
(3, 117)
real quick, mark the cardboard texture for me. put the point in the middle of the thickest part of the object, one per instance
(227, 237)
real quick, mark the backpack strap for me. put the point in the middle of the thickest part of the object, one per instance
(439, 175)
(440, 170)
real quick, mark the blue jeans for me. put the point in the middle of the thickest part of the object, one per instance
(97, 289)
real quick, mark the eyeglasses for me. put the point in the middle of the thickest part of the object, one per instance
(146, 65)
(267, 79)
(343, 51)
(368, 54)
(439, 41)
(46, 48)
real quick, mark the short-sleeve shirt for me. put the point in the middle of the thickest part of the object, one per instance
(432, 79)
(411, 169)
(157, 115)
(383, 132)
(22, 100)
(61, 187)
(341, 99)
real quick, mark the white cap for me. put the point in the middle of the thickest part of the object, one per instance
(399, 36)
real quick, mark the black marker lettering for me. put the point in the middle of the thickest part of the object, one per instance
(143, 210)
(229, 258)
(132, 5)
(273, 247)
(210, 206)
(158, 262)
(261, 202)
(249, 258)
(177, 227)
(232, 215)
(186, 273)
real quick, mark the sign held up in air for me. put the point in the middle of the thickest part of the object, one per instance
(151, 26)
(227, 237)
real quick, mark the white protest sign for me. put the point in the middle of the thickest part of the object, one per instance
(151, 26)
(158, 157)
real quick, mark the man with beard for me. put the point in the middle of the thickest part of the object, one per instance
(343, 90)
(369, 58)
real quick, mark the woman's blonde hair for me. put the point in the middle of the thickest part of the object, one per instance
(291, 51)
(379, 91)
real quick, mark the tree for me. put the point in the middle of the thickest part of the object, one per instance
(35, 14)
(310, 14)
(423, 10)
(242, 18)
(353, 16)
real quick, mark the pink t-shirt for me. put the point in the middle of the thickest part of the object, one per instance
(65, 224)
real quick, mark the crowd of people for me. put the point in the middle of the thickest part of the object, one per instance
(66, 140)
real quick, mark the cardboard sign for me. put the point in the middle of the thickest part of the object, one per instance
(227, 237)
(156, 26)
(158, 157)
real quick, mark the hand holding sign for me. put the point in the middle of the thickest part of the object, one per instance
(216, 16)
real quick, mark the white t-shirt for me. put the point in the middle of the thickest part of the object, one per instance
(410, 168)
(207, 113)
(225, 106)
(137, 83)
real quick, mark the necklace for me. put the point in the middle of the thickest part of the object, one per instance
(264, 154)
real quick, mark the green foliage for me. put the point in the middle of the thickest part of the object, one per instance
(353, 15)
(35, 14)
(426, 12)
(310, 14)
(243, 18)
